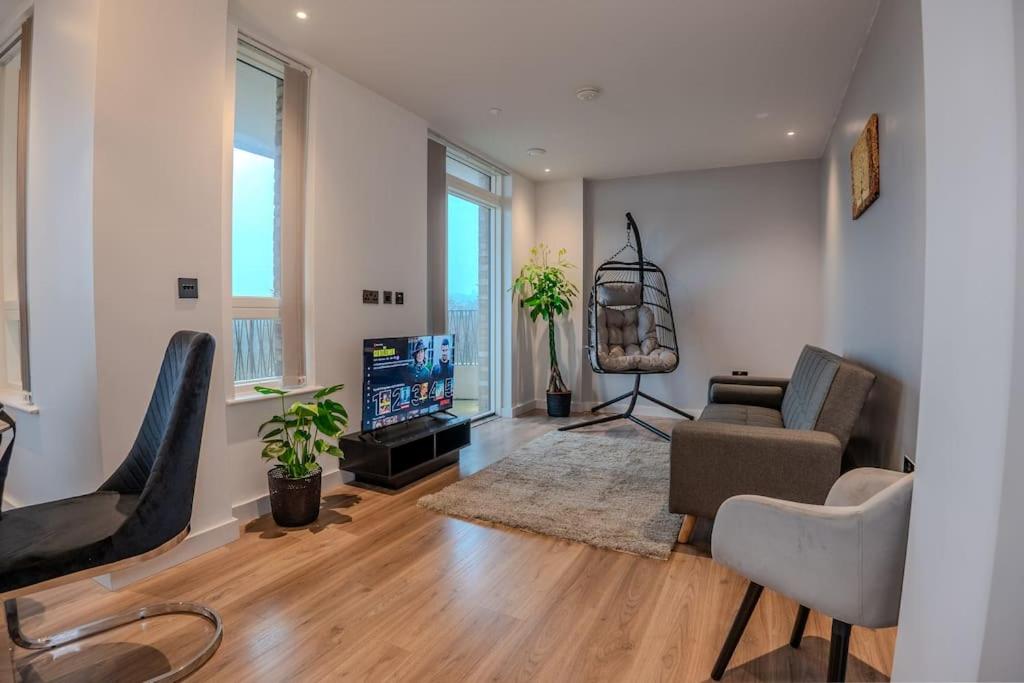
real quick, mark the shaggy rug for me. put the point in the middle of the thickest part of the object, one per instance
(608, 492)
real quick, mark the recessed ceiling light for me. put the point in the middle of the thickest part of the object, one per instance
(547, 170)
(536, 151)
(587, 93)
(301, 15)
(790, 133)
(494, 111)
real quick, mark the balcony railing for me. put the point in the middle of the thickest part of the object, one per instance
(257, 347)
(465, 325)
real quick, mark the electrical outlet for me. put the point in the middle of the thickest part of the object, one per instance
(188, 288)
(740, 373)
(400, 298)
(387, 296)
(908, 464)
(371, 296)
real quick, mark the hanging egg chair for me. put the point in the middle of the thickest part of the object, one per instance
(630, 328)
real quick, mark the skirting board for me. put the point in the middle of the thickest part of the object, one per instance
(260, 505)
(9, 503)
(195, 545)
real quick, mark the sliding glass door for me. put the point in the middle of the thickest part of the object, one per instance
(470, 298)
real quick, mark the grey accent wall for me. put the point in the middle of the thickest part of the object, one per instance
(873, 267)
(741, 248)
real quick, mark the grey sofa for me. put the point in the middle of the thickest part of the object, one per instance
(782, 438)
(844, 559)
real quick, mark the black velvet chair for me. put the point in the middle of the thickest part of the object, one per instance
(142, 510)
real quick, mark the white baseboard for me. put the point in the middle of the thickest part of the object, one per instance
(523, 408)
(195, 545)
(9, 502)
(260, 505)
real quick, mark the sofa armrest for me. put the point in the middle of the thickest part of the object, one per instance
(780, 382)
(746, 394)
(810, 553)
(713, 461)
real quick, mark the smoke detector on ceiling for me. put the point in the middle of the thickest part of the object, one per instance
(536, 151)
(588, 93)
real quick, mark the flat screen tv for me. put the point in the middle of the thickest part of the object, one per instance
(406, 377)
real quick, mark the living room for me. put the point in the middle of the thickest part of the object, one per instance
(772, 249)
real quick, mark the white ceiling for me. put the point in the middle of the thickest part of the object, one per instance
(687, 84)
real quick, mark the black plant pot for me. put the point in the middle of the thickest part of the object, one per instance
(559, 403)
(294, 502)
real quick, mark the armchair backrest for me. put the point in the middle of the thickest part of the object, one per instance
(881, 500)
(826, 394)
(162, 464)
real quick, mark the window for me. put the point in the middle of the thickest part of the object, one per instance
(267, 218)
(473, 218)
(14, 75)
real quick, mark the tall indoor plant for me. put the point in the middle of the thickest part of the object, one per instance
(547, 293)
(294, 439)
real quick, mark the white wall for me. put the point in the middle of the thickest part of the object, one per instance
(874, 266)
(559, 225)
(157, 215)
(368, 229)
(58, 449)
(960, 538)
(519, 238)
(741, 250)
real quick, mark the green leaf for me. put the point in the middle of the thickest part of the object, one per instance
(335, 451)
(304, 410)
(326, 424)
(327, 391)
(270, 391)
(301, 434)
(272, 433)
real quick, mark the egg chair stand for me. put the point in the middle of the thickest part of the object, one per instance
(631, 330)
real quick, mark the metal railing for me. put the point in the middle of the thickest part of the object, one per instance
(257, 349)
(465, 325)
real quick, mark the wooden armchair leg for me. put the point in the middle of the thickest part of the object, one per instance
(689, 521)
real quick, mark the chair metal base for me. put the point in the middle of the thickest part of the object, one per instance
(628, 414)
(17, 637)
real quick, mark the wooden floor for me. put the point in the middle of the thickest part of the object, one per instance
(380, 589)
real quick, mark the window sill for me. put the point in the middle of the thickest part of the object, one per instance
(16, 400)
(252, 396)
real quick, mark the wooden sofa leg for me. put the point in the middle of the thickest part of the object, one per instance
(689, 521)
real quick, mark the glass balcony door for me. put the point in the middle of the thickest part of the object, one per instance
(471, 227)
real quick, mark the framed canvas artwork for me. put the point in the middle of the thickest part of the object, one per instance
(864, 182)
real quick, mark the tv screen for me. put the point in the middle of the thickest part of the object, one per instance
(406, 377)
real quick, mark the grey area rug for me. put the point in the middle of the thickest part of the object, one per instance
(607, 492)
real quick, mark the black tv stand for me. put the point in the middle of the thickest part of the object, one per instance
(398, 455)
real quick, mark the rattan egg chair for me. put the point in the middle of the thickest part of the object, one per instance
(630, 328)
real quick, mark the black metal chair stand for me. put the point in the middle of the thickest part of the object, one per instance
(141, 511)
(838, 649)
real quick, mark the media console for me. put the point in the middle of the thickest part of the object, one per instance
(400, 454)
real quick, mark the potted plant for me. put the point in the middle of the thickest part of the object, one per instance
(546, 291)
(294, 439)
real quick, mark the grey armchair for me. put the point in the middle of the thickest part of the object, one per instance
(775, 437)
(844, 559)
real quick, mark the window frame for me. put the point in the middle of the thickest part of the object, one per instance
(19, 395)
(258, 55)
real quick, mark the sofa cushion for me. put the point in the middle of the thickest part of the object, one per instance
(808, 388)
(735, 414)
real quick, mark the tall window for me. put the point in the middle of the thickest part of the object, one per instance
(268, 217)
(15, 55)
(474, 210)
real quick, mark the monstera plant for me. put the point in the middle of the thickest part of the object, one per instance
(546, 291)
(294, 439)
